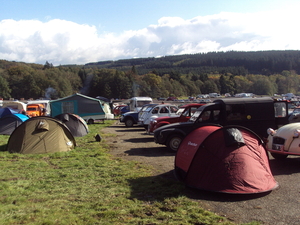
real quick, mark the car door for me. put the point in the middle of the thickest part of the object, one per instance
(150, 113)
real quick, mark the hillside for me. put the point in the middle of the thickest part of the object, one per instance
(236, 63)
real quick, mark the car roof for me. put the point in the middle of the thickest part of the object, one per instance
(191, 104)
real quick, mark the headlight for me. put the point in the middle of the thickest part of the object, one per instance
(271, 132)
(153, 121)
(296, 133)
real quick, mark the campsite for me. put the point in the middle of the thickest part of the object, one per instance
(128, 179)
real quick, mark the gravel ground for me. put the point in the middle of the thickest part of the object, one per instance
(278, 207)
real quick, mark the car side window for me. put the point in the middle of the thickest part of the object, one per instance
(205, 116)
(280, 109)
(173, 109)
(235, 112)
(164, 110)
(155, 110)
(216, 115)
(210, 116)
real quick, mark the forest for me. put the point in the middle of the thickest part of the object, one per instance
(260, 72)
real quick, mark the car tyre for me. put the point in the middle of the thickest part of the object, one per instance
(129, 122)
(174, 142)
(279, 156)
(90, 121)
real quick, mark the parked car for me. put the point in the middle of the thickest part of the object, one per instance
(256, 114)
(132, 118)
(171, 99)
(294, 117)
(117, 109)
(295, 111)
(284, 141)
(125, 109)
(183, 114)
(155, 112)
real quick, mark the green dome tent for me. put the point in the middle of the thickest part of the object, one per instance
(41, 135)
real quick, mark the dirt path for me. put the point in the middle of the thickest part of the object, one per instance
(278, 207)
(135, 144)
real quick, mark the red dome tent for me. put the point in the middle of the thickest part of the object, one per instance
(228, 159)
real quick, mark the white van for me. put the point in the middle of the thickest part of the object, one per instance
(136, 103)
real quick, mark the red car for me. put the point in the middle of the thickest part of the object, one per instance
(184, 113)
(117, 109)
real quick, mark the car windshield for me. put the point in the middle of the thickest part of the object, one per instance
(148, 109)
(195, 116)
(180, 111)
(144, 108)
(32, 109)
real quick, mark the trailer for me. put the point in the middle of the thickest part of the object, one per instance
(90, 109)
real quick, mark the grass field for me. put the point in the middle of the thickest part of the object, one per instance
(89, 186)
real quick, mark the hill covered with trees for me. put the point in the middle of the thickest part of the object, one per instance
(262, 73)
(236, 63)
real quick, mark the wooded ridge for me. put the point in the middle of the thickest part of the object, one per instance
(261, 72)
(236, 63)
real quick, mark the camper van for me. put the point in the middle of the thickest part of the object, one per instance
(136, 103)
(256, 114)
(16, 105)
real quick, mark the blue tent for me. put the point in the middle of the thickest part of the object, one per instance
(10, 122)
(7, 111)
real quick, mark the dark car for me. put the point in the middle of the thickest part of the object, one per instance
(256, 114)
(131, 118)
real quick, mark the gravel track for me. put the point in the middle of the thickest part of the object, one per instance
(278, 207)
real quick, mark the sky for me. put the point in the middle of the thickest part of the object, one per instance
(65, 32)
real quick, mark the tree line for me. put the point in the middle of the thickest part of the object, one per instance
(261, 73)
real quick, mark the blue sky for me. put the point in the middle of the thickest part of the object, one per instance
(79, 32)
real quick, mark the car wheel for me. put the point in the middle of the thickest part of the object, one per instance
(90, 121)
(174, 142)
(129, 122)
(279, 156)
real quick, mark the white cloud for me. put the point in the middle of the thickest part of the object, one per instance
(64, 42)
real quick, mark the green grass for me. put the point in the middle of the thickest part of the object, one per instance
(89, 186)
